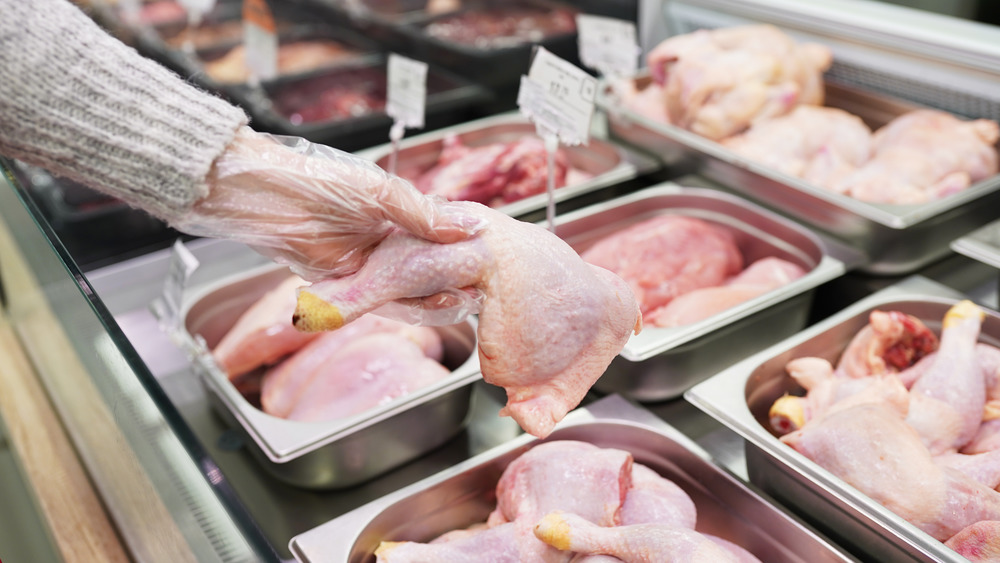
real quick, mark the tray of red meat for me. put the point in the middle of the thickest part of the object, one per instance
(345, 107)
(327, 410)
(500, 161)
(716, 276)
(894, 177)
(612, 481)
(878, 424)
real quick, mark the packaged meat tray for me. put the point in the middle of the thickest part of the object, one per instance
(661, 363)
(750, 398)
(597, 165)
(337, 453)
(345, 107)
(465, 494)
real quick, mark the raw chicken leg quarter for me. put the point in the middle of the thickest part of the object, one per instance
(550, 323)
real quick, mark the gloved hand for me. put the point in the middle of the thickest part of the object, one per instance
(317, 209)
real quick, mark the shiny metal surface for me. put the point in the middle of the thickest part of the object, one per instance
(983, 244)
(465, 494)
(896, 239)
(337, 453)
(609, 163)
(661, 363)
(740, 397)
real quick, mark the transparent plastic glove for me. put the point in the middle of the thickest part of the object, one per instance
(319, 210)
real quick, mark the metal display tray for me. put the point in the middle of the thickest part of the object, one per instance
(607, 162)
(464, 494)
(983, 244)
(337, 453)
(450, 100)
(897, 239)
(661, 363)
(740, 397)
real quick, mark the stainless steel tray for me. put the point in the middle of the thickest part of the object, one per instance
(462, 495)
(338, 453)
(661, 363)
(740, 397)
(983, 244)
(897, 239)
(609, 163)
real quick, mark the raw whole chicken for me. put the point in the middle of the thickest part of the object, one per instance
(324, 358)
(667, 256)
(924, 155)
(717, 82)
(760, 277)
(820, 145)
(600, 488)
(549, 325)
(264, 333)
(492, 174)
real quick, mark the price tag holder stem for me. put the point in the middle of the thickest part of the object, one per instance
(558, 98)
(406, 99)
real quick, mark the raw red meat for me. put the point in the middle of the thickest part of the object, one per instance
(503, 27)
(492, 174)
(667, 256)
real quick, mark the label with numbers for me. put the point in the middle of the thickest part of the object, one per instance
(260, 40)
(406, 92)
(608, 45)
(558, 97)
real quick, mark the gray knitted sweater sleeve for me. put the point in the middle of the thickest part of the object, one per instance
(83, 105)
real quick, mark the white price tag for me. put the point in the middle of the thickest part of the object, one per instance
(260, 40)
(558, 97)
(169, 307)
(608, 45)
(196, 9)
(406, 92)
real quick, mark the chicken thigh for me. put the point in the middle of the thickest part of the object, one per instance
(549, 325)
(821, 145)
(979, 542)
(717, 82)
(870, 447)
(891, 342)
(924, 155)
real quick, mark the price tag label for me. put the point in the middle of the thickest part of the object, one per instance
(169, 307)
(558, 97)
(608, 45)
(260, 40)
(196, 9)
(406, 94)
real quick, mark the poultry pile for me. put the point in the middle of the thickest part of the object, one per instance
(908, 418)
(325, 376)
(567, 501)
(760, 94)
(495, 173)
(685, 269)
(549, 323)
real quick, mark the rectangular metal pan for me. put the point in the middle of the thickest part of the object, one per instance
(661, 363)
(897, 239)
(464, 494)
(337, 453)
(450, 100)
(740, 397)
(983, 244)
(607, 162)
